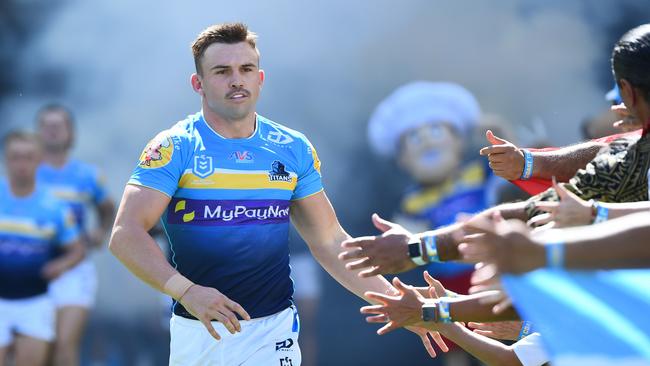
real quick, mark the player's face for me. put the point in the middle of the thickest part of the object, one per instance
(54, 130)
(22, 158)
(231, 80)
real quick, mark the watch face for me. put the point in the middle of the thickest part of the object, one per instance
(414, 250)
(429, 313)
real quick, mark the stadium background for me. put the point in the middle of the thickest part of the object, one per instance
(123, 67)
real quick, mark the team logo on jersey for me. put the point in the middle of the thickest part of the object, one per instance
(158, 152)
(203, 166)
(279, 138)
(279, 173)
(242, 157)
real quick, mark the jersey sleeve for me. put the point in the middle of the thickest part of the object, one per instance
(161, 163)
(67, 229)
(309, 176)
(98, 187)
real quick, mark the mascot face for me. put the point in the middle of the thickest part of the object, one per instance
(430, 153)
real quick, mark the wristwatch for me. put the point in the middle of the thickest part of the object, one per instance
(437, 312)
(415, 251)
(430, 312)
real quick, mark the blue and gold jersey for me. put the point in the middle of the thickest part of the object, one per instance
(228, 219)
(31, 228)
(77, 184)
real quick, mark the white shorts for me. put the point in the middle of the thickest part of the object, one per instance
(32, 317)
(75, 287)
(271, 340)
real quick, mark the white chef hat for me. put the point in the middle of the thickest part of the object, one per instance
(418, 103)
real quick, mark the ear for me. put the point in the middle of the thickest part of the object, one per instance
(195, 80)
(628, 94)
(262, 76)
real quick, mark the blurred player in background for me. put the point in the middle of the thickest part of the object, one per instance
(32, 225)
(81, 187)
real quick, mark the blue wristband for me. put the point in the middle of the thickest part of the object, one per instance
(528, 165)
(526, 329)
(555, 255)
(443, 312)
(431, 248)
(602, 213)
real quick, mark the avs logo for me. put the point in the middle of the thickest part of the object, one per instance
(242, 157)
(284, 345)
(278, 173)
(279, 138)
(203, 166)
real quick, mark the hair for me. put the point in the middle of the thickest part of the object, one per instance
(228, 33)
(18, 135)
(631, 59)
(56, 107)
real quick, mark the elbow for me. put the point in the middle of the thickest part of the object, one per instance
(115, 240)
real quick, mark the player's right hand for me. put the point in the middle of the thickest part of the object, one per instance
(208, 304)
(505, 159)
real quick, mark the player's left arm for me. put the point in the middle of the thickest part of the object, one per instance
(316, 221)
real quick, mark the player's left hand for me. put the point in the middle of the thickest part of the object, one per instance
(381, 254)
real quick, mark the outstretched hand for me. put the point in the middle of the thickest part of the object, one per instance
(570, 211)
(381, 254)
(505, 159)
(405, 310)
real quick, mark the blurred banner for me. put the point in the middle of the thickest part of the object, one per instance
(587, 318)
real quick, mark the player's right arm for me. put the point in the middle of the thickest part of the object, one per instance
(507, 160)
(140, 209)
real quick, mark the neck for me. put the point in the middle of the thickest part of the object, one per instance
(56, 158)
(22, 188)
(231, 129)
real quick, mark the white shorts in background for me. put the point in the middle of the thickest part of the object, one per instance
(271, 340)
(32, 317)
(75, 287)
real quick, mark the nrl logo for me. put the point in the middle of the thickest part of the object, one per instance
(203, 166)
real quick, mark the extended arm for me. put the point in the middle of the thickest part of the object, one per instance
(507, 160)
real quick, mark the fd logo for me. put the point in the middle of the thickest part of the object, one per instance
(158, 152)
(279, 138)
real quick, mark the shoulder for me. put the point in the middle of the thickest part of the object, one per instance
(279, 134)
(179, 138)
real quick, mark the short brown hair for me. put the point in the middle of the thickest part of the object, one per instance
(229, 33)
(18, 135)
